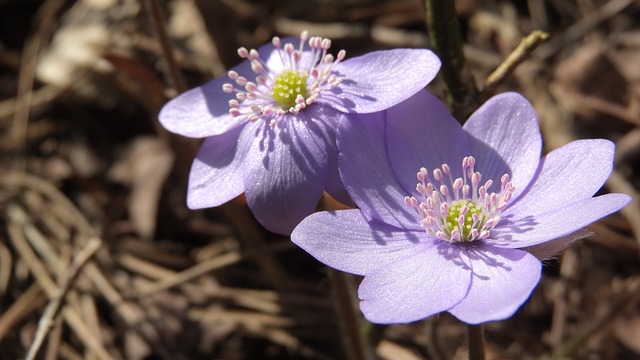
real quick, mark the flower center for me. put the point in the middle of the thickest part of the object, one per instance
(465, 210)
(288, 85)
(285, 88)
(459, 210)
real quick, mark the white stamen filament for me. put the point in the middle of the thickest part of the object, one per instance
(255, 99)
(459, 210)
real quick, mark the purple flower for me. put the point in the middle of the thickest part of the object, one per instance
(459, 236)
(270, 126)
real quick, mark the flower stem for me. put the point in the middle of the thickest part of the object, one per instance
(356, 343)
(359, 335)
(446, 39)
(476, 342)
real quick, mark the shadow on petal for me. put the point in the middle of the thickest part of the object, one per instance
(505, 232)
(353, 88)
(465, 254)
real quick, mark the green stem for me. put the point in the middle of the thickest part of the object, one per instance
(446, 39)
(476, 342)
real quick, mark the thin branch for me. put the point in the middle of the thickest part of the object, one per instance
(515, 58)
(40, 273)
(582, 27)
(157, 19)
(44, 22)
(53, 308)
(617, 183)
(32, 299)
(446, 39)
(622, 302)
(202, 268)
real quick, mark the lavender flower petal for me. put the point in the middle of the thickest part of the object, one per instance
(561, 179)
(523, 230)
(202, 111)
(502, 281)
(334, 185)
(367, 172)
(420, 132)
(292, 163)
(348, 242)
(415, 287)
(216, 176)
(505, 138)
(373, 82)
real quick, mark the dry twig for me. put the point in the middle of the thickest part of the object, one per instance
(45, 21)
(617, 183)
(157, 19)
(48, 317)
(516, 57)
(582, 27)
(622, 302)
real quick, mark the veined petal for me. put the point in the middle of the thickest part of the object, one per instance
(420, 132)
(216, 173)
(346, 241)
(285, 173)
(502, 281)
(415, 287)
(202, 111)
(367, 173)
(326, 123)
(381, 79)
(504, 137)
(573, 172)
(523, 229)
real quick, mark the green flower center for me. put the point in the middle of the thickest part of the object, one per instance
(461, 209)
(305, 72)
(287, 86)
(452, 218)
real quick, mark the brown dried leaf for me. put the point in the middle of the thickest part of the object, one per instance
(138, 80)
(144, 165)
(388, 350)
(135, 347)
(627, 330)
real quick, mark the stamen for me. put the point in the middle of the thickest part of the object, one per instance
(292, 89)
(459, 210)
(243, 52)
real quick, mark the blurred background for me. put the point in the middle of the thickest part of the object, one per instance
(92, 189)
